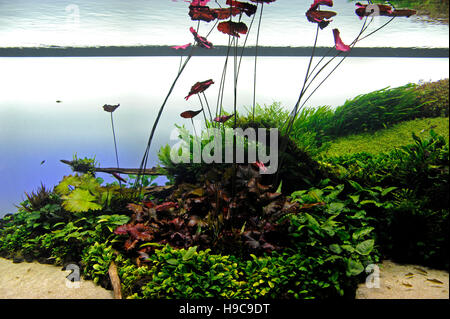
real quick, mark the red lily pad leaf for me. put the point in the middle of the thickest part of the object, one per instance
(247, 8)
(233, 28)
(199, 87)
(182, 47)
(110, 108)
(223, 118)
(202, 13)
(201, 41)
(340, 46)
(190, 114)
(403, 13)
(320, 17)
(364, 10)
(317, 3)
(263, 1)
(225, 13)
(199, 2)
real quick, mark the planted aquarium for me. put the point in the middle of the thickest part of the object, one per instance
(223, 150)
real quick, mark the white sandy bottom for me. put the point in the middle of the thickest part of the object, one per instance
(406, 282)
(38, 281)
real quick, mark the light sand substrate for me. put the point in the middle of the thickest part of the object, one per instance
(38, 281)
(406, 282)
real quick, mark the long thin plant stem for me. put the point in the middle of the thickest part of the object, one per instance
(256, 62)
(222, 80)
(297, 108)
(207, 105)
(192, 121)
(155, 124)
(115, 143)
(204, 113)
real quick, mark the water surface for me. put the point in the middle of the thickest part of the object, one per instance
(30, 23)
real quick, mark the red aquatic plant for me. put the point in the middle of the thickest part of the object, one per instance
(136, 233)
(261, 166)
(199, 87)
(165, 206)
(263, 1)
(182, 47)
(247, 8)
(364, 10)
(223, 118)
(202, 13)
(225, 13)
(190, 114)
(317, 3)
(199, 2)
(340, 46)
(233, 28)
(318, 16)
(110, 108)
(201, 41)
(403, 13)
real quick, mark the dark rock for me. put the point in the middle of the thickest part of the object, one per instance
(18, 259)
(44, 260)
(28, 258)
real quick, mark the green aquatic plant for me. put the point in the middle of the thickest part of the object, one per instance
(83, 165)
(83, 193)
(95, 260)
(385, 140)
(434, 98)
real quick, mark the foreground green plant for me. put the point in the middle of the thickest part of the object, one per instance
(386, 140)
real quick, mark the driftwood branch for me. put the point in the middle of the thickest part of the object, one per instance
(115, 281)
(132, 171)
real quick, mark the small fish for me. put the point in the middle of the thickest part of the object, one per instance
(58, 101)
(421, 271)
(410, 274)
(406, 284)
(435, 281)
(42, 162)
